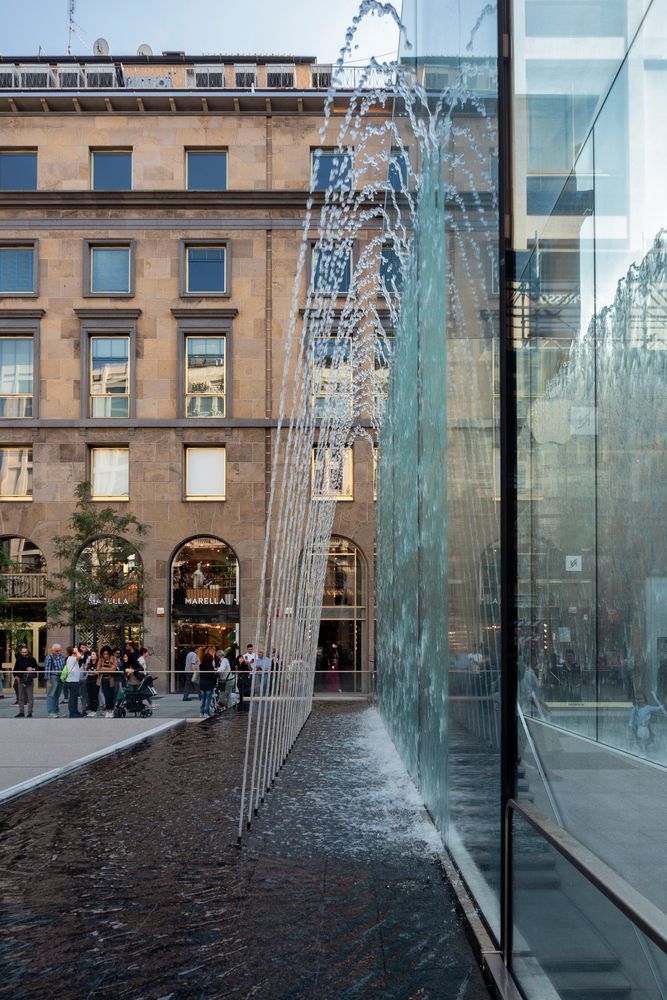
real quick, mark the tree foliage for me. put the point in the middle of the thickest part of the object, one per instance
(101, 581)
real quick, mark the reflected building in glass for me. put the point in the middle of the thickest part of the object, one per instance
(522, 664)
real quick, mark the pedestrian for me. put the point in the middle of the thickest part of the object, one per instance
(250, 654)
(243, 682)
(92, 683)
(207, 680)
(107, 672)
(192, 662)
(25, 672)
(71, 675)
(53, 666)
(332, 678)
(84, 651)
(263, 671)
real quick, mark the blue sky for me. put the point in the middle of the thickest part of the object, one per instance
(296, 27)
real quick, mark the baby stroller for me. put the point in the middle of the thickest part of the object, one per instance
(224, 694)
(135, 700)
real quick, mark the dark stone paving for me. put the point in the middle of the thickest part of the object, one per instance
(123, 880)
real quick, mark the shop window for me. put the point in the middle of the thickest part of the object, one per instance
(205, 473)
(332, 474)
(111, 170)
(16, 473)
(18, 269)
(206, 170)
(110, 473)
(16, 377)
(18, 170)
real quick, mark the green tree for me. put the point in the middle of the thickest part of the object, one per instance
(15, 629)
(100, 586)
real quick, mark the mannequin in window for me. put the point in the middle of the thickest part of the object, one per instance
(198, 578)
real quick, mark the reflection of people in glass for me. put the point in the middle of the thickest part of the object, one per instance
(198, 578)
(640, 721)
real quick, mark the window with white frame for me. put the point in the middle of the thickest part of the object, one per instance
(16, 376)
(110, 473)
(16, 473)
(332, 376)
(205, 375)
(204, 269)
(109, 376)
(205, 473)
(332, 474)
(109, 269)
(18, 269)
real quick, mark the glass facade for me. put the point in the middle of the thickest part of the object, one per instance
(522, 562)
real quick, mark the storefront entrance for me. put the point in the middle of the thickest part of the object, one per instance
(342, 634)
(204, 602)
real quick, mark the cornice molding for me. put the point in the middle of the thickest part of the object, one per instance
(108, 312)
(180, 312)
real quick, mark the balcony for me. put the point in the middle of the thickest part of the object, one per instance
(24, 586)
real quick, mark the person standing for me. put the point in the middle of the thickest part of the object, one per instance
(92, 683)
(53, 666)
(25, 671)
(207, 681)
(263, 669)
(192, 662)
(73, 673)
(243, 682)
(108, 669)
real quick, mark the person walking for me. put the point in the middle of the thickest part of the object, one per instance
(72, 674)
(207, 679)
(25, 671)
(53, 666)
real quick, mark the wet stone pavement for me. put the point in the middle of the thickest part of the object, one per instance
(123, 880)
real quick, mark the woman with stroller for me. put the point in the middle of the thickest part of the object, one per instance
(207, 679)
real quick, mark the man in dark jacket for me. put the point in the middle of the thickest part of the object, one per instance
(25, 672)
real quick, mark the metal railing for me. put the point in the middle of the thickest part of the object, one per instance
(23, 586)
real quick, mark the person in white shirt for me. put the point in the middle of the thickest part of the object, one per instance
(263, 666)
(73, 674)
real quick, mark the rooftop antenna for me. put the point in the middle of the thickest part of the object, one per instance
(71, 8)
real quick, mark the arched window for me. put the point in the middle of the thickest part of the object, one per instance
(109, 593)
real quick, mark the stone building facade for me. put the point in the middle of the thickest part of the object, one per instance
(135, 258)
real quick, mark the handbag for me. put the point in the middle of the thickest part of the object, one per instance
(195, 677)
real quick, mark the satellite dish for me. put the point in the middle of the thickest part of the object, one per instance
(144, 50)
(101, 47)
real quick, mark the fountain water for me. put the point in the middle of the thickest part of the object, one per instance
(404, 155)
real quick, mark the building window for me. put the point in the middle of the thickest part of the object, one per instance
(111, 170)
(398, 169)
(332, 376)
(384, 349)
(330, 270)
(110, 473)
(206, 170)
(204, 268)
(109, 269)
(109, 376)
(18, 269)
(391, 272)
(205, 376)
(15, 473)
(331, 169)
(16, 376)
(332, 474)
(204, 473)
(18, 170)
